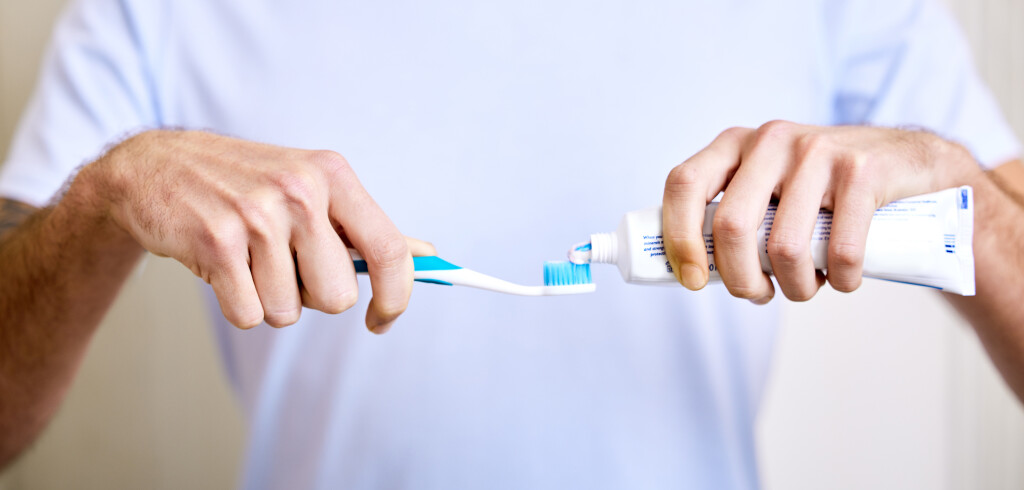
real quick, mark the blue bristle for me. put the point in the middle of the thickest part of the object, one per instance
(563, 273)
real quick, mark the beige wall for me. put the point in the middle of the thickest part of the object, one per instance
(892, 392)
(23, 30)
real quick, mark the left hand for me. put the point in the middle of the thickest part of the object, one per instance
(850, 170)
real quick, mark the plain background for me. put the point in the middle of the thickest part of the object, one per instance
(883, 388)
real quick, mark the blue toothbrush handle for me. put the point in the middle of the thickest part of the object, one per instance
(425, 263)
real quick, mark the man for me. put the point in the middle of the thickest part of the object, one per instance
(501, 133)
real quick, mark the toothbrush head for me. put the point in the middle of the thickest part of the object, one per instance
(562, 273)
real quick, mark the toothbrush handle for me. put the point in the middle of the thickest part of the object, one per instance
(435, 270)
(420, 264)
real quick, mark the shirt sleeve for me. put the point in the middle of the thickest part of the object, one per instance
(906, 63)
(92, 91)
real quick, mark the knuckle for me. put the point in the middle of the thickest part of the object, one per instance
(218, 243)
(257, 217)
(787, 250)
(329, 158)
(812, 145)
(776, 130)
(735, 133)
(845, 255)
(683, 178)
(332, 162)
(734, 136)
(730, 138)
(730, 225)
(389, 250)
(855, 166)
(345, 300)
(210, 240)
(299, 190)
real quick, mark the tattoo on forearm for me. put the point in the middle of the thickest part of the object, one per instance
(12, 214)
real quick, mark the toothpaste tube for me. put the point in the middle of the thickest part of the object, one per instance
(924, 240)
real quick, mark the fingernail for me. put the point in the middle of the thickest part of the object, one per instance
(761, 301)
(691, 276)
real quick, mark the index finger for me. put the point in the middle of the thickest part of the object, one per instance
(688, 189)
(381, 245)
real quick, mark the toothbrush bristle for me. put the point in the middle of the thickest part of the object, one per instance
(563, 273)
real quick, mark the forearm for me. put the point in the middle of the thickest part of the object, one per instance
(61, 270)
(997, 310)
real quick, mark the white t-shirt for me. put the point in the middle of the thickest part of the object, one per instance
(503, 132)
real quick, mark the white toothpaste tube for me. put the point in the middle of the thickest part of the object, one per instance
(924, 240)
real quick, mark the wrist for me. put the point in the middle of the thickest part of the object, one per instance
(955, 165)
(90, 203)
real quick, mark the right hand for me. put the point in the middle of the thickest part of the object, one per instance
(266, 226)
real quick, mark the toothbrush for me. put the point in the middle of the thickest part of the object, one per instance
(559, 277)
